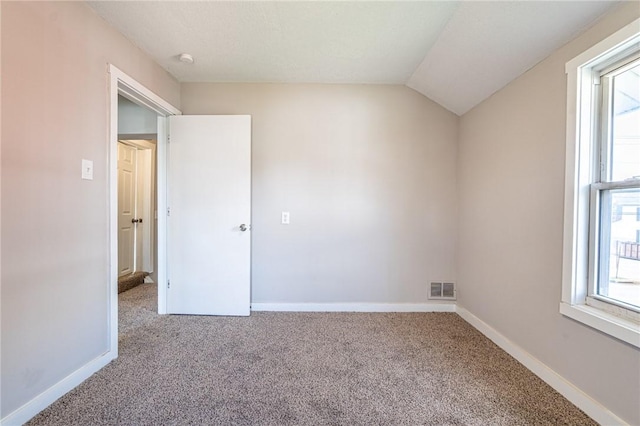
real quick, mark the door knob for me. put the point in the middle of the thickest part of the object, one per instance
(136, 220)
(243, 227)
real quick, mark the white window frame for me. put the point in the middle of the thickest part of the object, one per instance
(580, 205)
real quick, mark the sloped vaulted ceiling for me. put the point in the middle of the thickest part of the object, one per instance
(456, 53)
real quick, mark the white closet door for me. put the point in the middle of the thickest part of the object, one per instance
(126, 208)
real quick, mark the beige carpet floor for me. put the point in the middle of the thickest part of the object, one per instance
(130, 281)
(306, 369)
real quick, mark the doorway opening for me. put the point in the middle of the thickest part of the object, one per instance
(137, 130)
(137, 182)
(137, 213)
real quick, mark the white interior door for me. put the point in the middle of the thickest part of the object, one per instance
(209, 199)
(126, 208)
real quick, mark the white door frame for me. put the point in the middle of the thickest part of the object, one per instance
(121, 84)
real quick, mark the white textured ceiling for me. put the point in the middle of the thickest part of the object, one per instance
(456, 53)
(341, 42)
(485, 45)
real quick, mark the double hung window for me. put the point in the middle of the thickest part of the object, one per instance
(615, 191)
(601, 265)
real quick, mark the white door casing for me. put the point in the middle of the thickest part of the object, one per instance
(209, 199)
(126, 208)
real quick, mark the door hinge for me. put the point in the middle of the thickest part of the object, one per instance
(168, 283)
(168, 211)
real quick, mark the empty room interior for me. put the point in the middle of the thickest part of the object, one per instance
(352, 212)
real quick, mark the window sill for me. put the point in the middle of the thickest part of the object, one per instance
(626, 330)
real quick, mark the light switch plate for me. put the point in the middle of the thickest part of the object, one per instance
(285, 218)
(87, 169)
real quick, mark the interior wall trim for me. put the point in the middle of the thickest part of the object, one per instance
(354, 307)
(586, 403)
(580, 399)
(48, 397)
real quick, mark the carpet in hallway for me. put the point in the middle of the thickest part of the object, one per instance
(130, 281)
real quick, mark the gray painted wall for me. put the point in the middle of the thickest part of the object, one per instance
(55, 259)
(511, 195)
(368, 174)
(134, 119)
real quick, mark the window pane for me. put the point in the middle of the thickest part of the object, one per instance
(620, 246)
(625, 149)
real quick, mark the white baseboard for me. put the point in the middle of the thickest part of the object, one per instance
(48, 397)
(354, 307)
(590, 406)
